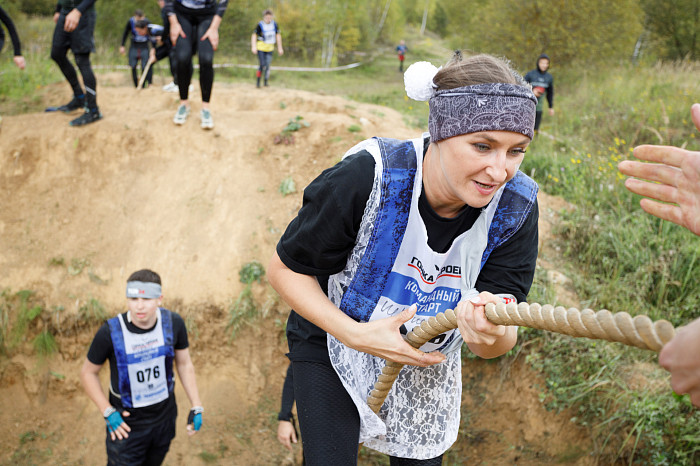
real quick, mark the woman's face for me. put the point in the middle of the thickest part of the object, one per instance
(470, 168)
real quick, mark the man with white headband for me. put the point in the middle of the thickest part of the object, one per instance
(390, 236)
(141, 345)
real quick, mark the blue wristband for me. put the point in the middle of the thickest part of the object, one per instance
(195, 417)
(113, 421)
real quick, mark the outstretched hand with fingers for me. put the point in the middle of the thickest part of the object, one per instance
(674, 180)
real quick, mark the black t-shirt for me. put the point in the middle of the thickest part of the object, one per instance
(102, 349)
(318, 241)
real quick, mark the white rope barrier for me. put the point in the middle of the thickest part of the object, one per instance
(252, 67)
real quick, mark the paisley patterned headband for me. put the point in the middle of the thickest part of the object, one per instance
(469, 109)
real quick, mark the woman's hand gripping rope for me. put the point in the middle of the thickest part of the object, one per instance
(639, 331)
(382, 338)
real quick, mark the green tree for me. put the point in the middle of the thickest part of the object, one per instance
(674, 26)
(570, 32)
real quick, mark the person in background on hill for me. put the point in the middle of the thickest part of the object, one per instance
(542, 84)
(140, 45)
(401, 50)
(262, 44)
(75, 27)
(194, 29)
(390, 236)
(674, 179)
(286, 429)
(141, 345)
(165, 48)
(16, 45)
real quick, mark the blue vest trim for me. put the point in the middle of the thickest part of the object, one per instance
(123, 360)
(398, 175)
(513, 209)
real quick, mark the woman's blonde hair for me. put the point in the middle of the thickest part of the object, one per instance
(477, 69)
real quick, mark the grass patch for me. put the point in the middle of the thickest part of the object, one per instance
(241, 311)
(251, 272)
(287, 186)
(45, 344)
(208, 457)
(92, 311)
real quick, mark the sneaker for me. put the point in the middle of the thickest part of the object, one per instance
(181, 115)
(172, 87)
(75, 104)
(88, 117)
(207, 120)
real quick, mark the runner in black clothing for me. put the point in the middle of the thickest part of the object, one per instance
(75, 26)
(7, 21)
(165, 48)
(543, 86)
(143, 346)
(137, 28)
(194, 28)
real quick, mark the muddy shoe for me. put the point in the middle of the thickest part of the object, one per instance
(207, 120)
(88, 117)
(75, 104)
(181, 115)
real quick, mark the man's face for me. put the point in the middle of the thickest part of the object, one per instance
(543, 64)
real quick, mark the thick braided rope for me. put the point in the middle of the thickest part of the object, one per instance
(620, 327)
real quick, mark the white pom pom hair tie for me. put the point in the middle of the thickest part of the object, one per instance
(418, 80)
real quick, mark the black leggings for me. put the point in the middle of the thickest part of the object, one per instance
(328, 419)
(194, 27)
(81, 43)
(83, 62)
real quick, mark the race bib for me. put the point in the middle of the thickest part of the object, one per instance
(148, 382)
(145, 353)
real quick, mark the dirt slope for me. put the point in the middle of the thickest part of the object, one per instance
(84, 207)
